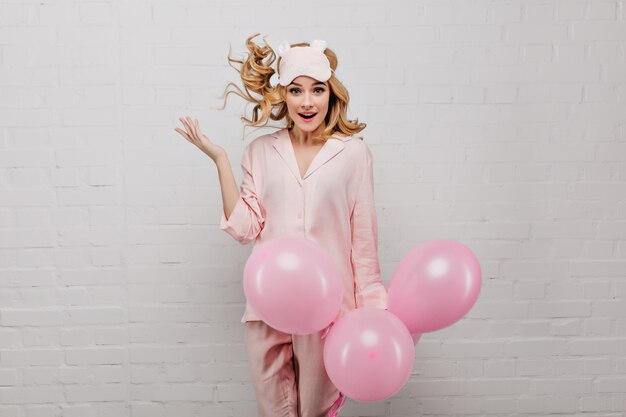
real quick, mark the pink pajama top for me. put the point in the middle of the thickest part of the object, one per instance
(332, 205)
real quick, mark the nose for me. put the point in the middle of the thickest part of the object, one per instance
(307, 100)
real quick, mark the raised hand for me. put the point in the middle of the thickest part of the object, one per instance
(194, 135)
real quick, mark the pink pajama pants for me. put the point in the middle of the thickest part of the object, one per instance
(288, 373)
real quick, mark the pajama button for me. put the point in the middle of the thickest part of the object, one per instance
(299, 215)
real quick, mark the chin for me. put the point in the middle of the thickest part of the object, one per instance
(307, 127)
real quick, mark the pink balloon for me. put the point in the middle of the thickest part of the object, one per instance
(434, 285)
(369, 354)
(293, 284)
(416, 337)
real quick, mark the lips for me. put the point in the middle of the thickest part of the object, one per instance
(307, 117)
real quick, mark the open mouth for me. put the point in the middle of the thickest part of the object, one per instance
(307, 117)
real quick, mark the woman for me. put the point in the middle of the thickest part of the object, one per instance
(313, 178)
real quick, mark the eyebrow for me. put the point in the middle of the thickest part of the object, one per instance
(316, 83)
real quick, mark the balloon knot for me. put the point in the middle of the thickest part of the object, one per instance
(339, 402)
(327, 330)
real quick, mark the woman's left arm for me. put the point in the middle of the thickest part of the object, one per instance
(370, 291)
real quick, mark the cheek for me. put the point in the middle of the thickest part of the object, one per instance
(321, 101)
(323, 105)
(290, 106)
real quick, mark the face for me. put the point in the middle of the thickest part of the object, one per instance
(307, 95)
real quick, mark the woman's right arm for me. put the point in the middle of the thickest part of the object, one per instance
(230, 191)
(243, 216)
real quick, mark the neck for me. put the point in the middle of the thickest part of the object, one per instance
(302, 138)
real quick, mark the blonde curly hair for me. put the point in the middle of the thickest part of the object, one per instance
(255, 72)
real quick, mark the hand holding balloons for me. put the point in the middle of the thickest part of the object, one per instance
(295, 286)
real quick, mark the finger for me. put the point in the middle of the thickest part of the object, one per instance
(183, 134)
(188, 126)
(198, 128)
(183, 121)
(193, 128)
(190, 130)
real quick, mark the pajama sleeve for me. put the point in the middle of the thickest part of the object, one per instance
(248, 216)
(369, 291)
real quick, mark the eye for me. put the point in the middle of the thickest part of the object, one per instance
(296, 90)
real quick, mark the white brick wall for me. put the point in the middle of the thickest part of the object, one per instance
(501, 124)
